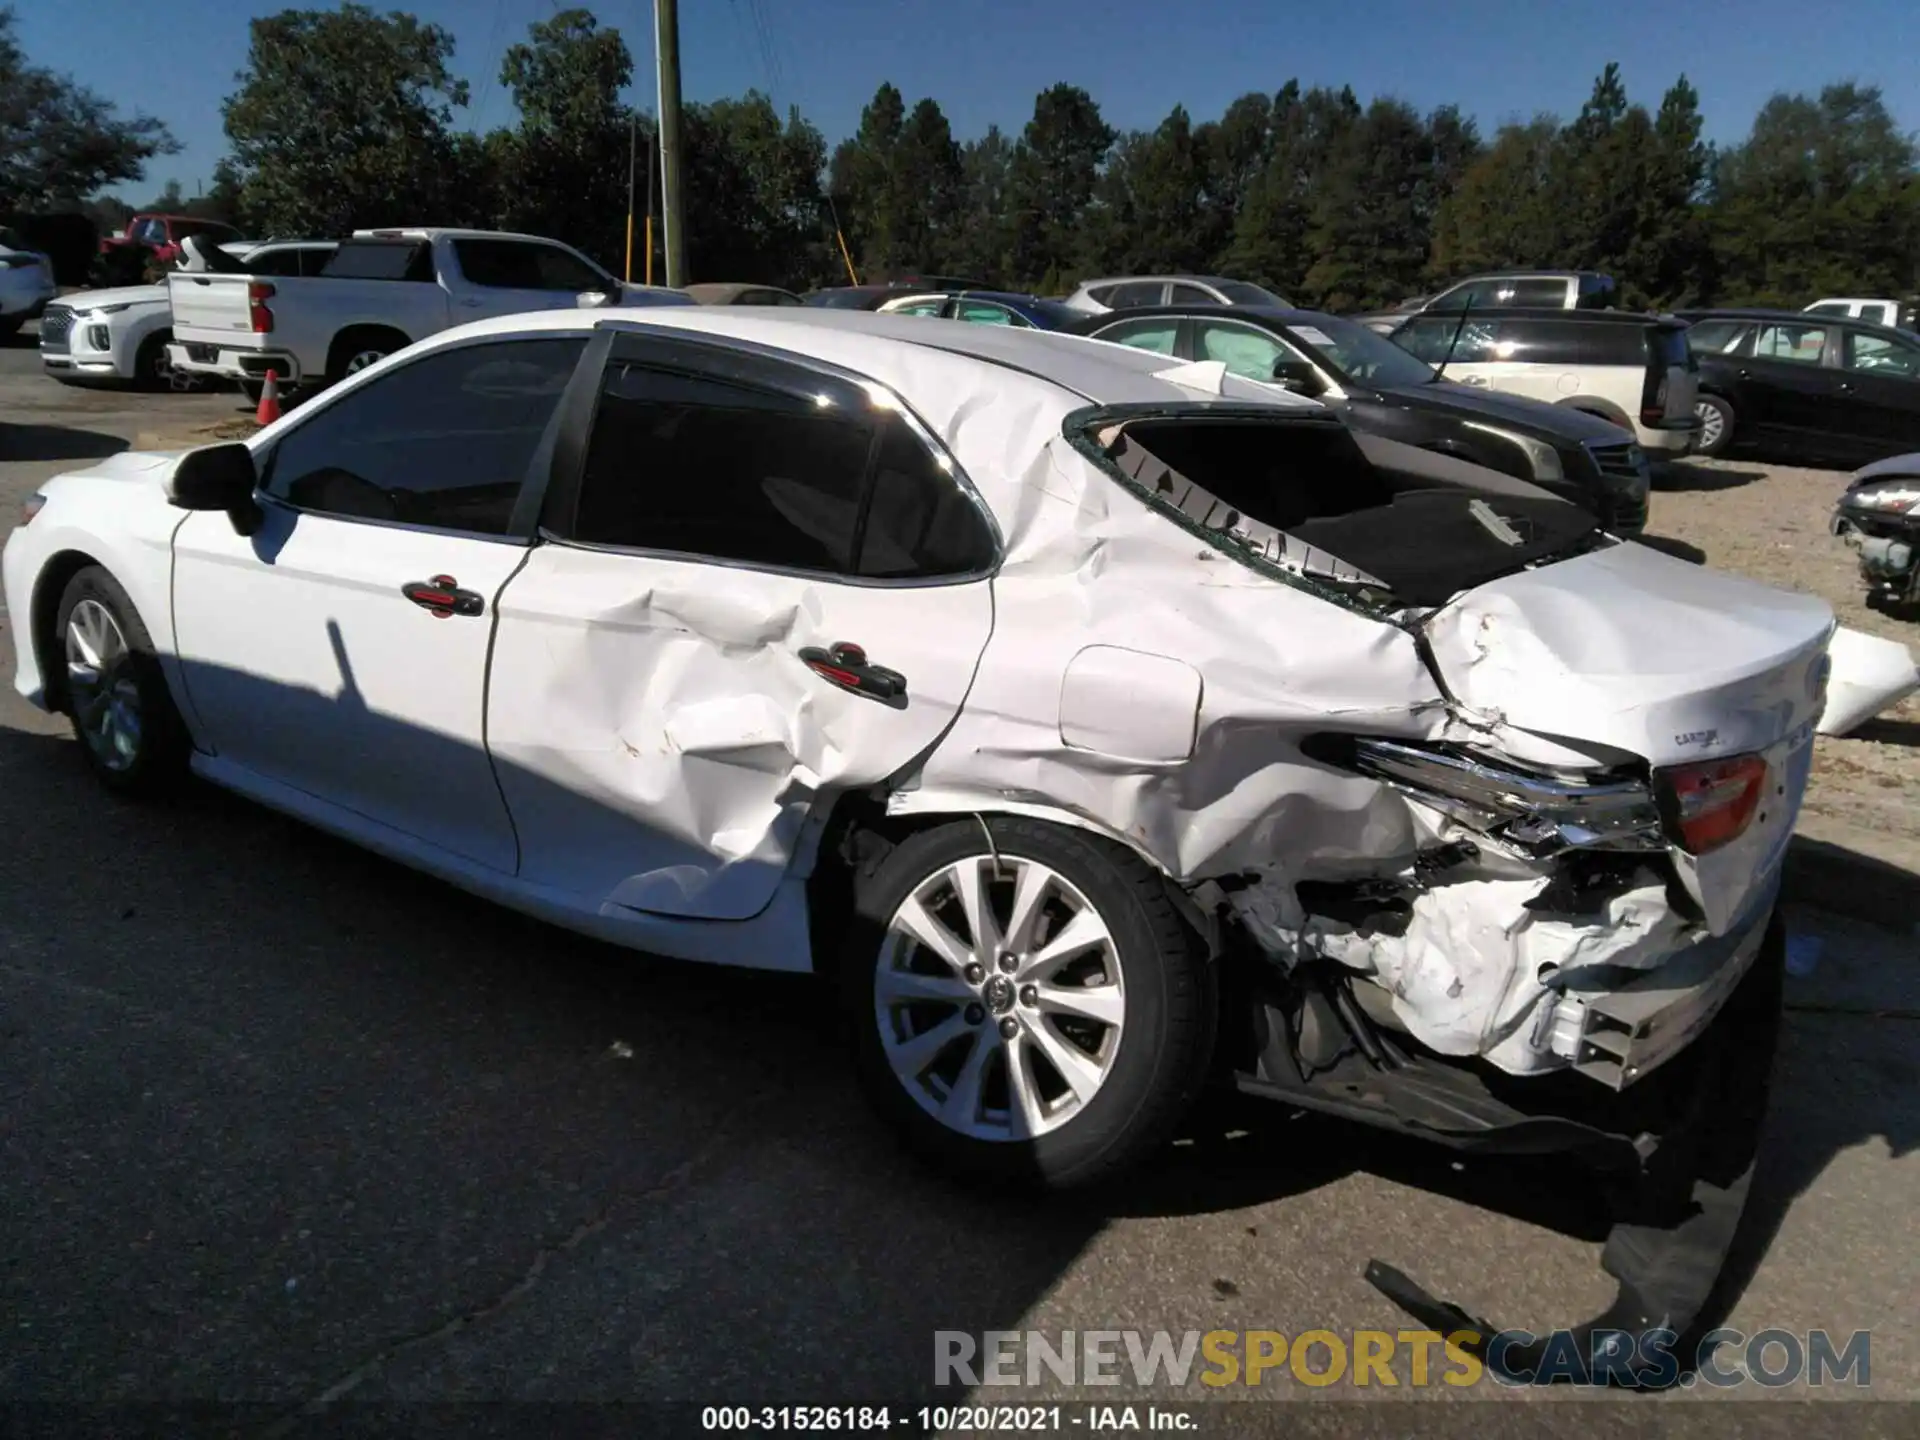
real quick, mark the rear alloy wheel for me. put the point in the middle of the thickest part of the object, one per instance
(1032, 1008)
(1716, 425)
(122, 712)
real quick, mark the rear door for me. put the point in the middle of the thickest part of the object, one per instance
(1879, 407)
(1673, 377)
(1793, 379)
(764, 587)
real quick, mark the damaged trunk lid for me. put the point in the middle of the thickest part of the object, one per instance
(1713, 680)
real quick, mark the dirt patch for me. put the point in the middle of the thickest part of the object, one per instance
(1770, 522)
(187, 438)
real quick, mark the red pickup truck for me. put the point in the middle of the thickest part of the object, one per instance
(162, 234)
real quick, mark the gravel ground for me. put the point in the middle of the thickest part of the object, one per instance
(1770, 522)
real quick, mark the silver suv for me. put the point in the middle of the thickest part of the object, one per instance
(1128, 292)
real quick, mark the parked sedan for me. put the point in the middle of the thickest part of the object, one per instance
(1383, 390)
(987, 307)
(1099, 736)
(730, 293)
(1815, 387)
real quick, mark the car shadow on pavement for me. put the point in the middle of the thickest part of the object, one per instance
(1679, 549)
(1882, 731)
(56, 442)
(1688, 475)
(291, 1121)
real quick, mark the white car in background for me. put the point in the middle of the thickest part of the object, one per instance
(1103, 725)
(120, 336)
(26, 282)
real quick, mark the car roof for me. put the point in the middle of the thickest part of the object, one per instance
(1522, 270)
(892, 349)
(445, 232)
(1171, 275)
(1756, 312)
(1549, 312)
(1277, 314)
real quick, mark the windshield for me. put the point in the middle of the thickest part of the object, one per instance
(1353, 352)
(1239, 292)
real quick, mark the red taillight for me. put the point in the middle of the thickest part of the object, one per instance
(1714, 802)
(1655, 410)
(258, 293)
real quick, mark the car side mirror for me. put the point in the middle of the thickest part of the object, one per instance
(1298, 377)
(218, 477)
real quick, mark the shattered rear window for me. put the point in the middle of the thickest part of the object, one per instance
(1299, 498)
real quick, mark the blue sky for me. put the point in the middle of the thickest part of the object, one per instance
(984, 60)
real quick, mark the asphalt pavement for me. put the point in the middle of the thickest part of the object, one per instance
(285, 1124)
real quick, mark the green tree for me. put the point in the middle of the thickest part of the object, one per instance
(867, 195)
(1150, 209)
(1233, 152)
(753, 194)
(1056, 167)
(1670, 257)
(1499, 214)
(1368, 233)
(983, 242)
(564, 168)
(60, 144)
(342, 118)
(1820, 198)
(1271, 226)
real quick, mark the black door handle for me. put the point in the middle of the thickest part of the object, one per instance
(442, 597)
(846, 665)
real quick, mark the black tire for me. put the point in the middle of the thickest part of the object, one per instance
(1722, 439)
(158, 758)
(152, 370)
(1161, 1051)
(349, 344)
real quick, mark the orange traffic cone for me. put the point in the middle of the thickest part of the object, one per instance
(269, 410)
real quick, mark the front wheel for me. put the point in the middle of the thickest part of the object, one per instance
(1716, 425)
(1031, 1009)
(123, 715)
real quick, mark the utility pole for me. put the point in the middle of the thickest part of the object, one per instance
(666, 27)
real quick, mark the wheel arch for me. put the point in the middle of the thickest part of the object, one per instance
(1600, 408)
(863, 826)
(357, 333)
(48, 587)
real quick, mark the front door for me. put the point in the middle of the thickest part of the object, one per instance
(767, 588)
(341, 650)
(1879, 401)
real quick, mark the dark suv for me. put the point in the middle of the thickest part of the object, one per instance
(1380, 389)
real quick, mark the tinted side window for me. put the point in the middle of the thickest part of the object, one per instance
(1795, 344)
(444, 441)
(523, 265)
(381, 260)
(1543, 293)
(919, 521)
(1830, 307)
(1102, 294)
(985, 312)
(1433, 339)
(1158, 336)
(314, 261)
(274, 262)
(1139, 292)
(1717, 337)
(1191, 295)
(702, 467)
(1474, 294)
(1881, 355)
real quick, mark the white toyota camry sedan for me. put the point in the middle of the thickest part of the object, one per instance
(1103, 726)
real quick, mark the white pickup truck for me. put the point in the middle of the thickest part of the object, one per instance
(382, 290)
